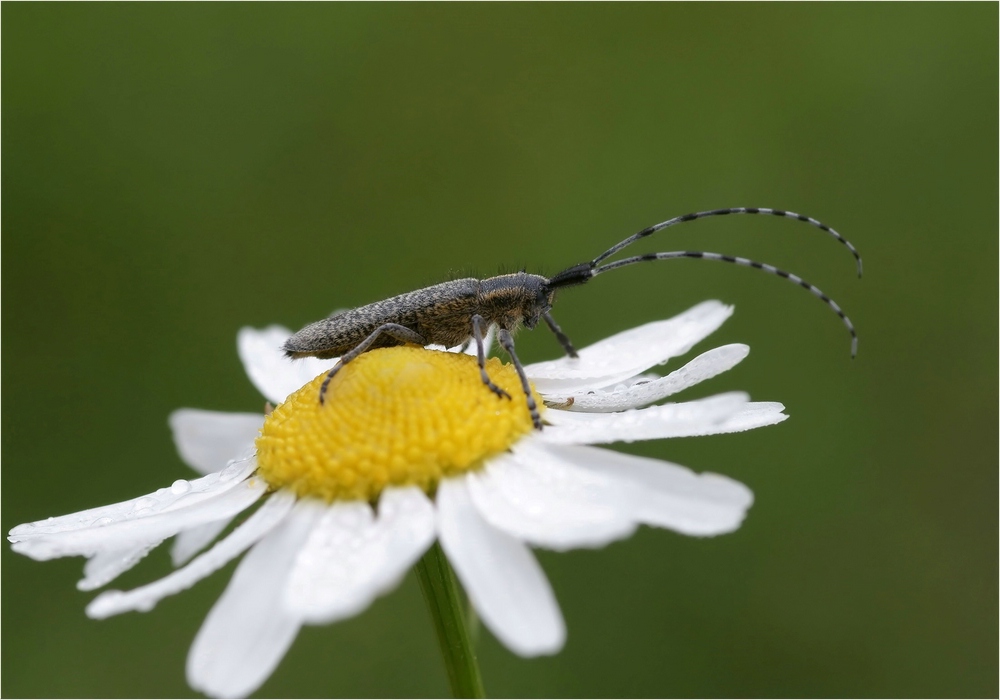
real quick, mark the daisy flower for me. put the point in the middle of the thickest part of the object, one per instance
(412, 452)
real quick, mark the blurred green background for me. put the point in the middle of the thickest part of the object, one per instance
(174, 172)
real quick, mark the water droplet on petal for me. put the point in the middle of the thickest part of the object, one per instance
(231, 470)
(180, 486)
(143, 504)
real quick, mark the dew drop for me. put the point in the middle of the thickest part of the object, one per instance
(101, 522)
(231, 470)
(180, 486)
(143, 504)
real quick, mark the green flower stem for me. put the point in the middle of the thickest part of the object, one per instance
(441, 592)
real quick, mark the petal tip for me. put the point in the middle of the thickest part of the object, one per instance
(540, 647)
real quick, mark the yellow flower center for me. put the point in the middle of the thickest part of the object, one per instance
(393, 416)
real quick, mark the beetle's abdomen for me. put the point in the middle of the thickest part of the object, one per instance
(434, 312)
(334, 336)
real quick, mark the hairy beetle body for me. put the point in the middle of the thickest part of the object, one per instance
(454, 313)
(440, 314)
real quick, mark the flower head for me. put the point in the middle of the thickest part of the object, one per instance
(411, 447)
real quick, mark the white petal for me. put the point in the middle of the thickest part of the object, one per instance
(703, 417)
(755, 414)
(275, 375)
(105, 567)
(180, 494)
(267, 517)
(142, 528)
(500, 574)
(540, 498)
(629, 353)
(190, 542)
(668, 495)
(351, 557)
(640, 391)
(248, 630)
(208, 440)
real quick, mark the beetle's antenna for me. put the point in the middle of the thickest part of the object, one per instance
(583, 272)
(723, 212)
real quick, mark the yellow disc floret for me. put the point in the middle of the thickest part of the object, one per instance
(393, 416)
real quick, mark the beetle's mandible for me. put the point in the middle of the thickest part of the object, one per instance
(455, 313)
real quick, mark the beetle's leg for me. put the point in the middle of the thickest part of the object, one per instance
(400, 333)
(469, 347)
(563, 340)
(477, 336)
(507, 342)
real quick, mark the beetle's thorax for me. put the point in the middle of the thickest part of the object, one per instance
(510, 300)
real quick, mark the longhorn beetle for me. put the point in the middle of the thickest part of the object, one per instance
(453, 313)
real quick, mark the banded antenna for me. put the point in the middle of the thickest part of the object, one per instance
(723, 212)
(581, 273)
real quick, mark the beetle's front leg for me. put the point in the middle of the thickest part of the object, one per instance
(560, 336)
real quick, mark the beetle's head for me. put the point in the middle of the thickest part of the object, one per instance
(541, 304)
(538, 299)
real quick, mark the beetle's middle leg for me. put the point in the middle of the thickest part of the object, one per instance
(560, 336)
(477, 336)
(400, 333)
(507, 342)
